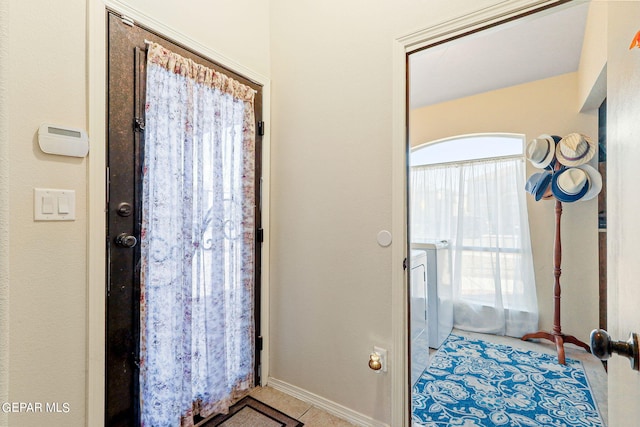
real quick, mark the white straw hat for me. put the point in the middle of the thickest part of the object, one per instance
(570, 184)
(541, 150)
(575, 149)
(595, 182)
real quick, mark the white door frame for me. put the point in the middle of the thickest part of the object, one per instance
(96, 277)
(457, 26)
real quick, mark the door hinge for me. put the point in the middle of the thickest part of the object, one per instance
(404, 264)
(259, 342)
(127, 21)
(260, 198)
(261, 128)
(108, 250)
(135, 359)
(138, 124)
(108, 185)
(260, 235)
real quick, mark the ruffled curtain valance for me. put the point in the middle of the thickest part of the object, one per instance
(186, 67)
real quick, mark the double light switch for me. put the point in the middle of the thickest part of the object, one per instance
(54, 205)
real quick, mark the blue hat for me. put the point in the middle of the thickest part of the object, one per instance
(552, 165)
(538, 183)
(570, 184)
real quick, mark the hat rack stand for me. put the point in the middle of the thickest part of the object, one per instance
(556, 336)
(558, 156)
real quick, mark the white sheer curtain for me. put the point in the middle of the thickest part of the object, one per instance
(480, 208)
(197, 241)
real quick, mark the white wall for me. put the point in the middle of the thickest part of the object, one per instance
(46, 83)
(235, 29)
(592, 71)
(544, 106)
(4, 209)
(332, 64)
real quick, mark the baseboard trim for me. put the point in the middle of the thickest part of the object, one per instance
(327, 405)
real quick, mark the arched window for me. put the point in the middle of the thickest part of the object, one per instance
(469, 190)
(468, 148)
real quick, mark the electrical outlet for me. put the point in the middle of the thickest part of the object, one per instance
(382, 352)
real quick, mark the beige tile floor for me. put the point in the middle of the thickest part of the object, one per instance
(295, 408)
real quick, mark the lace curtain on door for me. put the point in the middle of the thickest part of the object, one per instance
(480, 208)
(197, 241)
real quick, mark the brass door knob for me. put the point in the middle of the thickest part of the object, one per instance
(374, 361)
(602, 346)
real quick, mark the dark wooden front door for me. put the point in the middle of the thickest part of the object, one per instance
(125, 149)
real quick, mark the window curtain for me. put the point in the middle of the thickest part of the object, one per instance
(480, 208)
(197, 241)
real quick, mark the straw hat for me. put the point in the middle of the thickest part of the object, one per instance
(570, 184)
(575, 149)
(541, 150)
(595, 181)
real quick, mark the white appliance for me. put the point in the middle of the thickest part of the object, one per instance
(439, 290)
(418, 309)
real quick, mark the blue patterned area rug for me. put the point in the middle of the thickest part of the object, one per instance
(475, 383)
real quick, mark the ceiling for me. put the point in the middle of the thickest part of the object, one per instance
(536, 47)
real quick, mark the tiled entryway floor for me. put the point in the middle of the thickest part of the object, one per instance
(295, 408)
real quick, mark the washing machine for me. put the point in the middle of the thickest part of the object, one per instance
(439, 290)
(418, 311)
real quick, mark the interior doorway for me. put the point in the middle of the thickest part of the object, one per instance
(438, 38)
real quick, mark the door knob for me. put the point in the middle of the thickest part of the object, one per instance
(602, 346)
(126, 240)
(374, 362)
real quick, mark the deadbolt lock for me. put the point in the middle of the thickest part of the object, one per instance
(125, 209)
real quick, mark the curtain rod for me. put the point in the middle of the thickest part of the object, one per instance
(462, 162)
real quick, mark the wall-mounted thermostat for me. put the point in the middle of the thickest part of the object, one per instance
(63, 141)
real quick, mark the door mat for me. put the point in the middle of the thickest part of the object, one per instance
(251, 412)
(475, 383)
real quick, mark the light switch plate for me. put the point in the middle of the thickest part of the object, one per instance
(54, 204)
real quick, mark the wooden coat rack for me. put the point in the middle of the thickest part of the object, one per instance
(556, 335)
